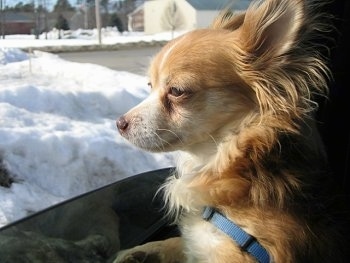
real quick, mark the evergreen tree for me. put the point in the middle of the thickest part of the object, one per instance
(61, 24)
(116, 21)
(62, 5)
(123, 8)
(21, 7)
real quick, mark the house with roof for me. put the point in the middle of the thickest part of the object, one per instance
(184, 15)
(17, 22)
(136, 19)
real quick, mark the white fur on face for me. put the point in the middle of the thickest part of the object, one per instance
(145, 125)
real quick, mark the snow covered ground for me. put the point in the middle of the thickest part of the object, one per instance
(57, 125)
(109, 36)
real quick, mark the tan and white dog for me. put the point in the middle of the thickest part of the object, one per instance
(237, 99)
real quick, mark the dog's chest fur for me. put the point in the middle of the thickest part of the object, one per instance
(202, 241)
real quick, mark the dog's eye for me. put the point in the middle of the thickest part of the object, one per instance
(176, 92)
(150, 84)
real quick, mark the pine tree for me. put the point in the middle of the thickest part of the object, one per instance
(115, 20)
(62, 23)
(62, 5)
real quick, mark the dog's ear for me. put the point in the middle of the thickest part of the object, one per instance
(270, 28)
(228, 20)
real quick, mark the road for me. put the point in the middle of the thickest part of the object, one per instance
(134, 60)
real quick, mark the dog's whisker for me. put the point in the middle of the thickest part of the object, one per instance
(213, 139)
(172, 132)
(161, 139)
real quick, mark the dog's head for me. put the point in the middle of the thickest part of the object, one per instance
(211, 82)
(194, 91)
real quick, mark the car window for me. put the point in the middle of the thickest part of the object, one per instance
(91, 227)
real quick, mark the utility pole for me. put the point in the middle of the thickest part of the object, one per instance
(86, 10)
(3, 20)
(36, 21)
(45, 18)
(98, 20)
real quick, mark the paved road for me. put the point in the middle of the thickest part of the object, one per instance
(134, 60)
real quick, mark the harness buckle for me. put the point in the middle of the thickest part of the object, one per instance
(246, 244)
(208, 213)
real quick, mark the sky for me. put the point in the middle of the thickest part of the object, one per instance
(58, 137)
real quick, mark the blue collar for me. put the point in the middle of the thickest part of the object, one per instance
(247, 242)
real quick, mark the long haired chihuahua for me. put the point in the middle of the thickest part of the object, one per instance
(237, 101)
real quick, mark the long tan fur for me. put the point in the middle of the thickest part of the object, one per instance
(237, 100)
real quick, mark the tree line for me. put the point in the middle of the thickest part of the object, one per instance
(113, 13)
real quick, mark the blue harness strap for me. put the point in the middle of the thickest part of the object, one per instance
(247, 242)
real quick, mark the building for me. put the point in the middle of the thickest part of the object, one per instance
(184, 15)
(136, 19)
(17, 23)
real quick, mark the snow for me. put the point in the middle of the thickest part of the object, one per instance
(57, 125)
(82, 37)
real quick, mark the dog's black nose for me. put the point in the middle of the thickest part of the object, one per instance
(122, 124)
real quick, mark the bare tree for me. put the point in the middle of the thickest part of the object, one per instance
(172, 18)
